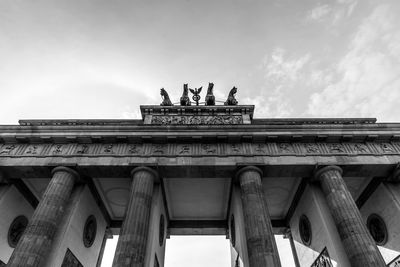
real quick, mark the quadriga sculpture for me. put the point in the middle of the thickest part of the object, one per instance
(231, 101)
(165, 98)
(210, 98)
(185, 100)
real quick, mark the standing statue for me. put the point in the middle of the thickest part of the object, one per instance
(185, 100)
(231, 101)
(210, 98)
(164, 96)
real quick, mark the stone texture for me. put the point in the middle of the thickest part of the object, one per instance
(359, 245)
(131, 247)
(288, 235)
(261, 246)
(36, 241)
(107, 235)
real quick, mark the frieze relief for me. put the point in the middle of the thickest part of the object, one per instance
(199, 149)
(196, 120)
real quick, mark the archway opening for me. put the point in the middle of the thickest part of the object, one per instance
(200, 250)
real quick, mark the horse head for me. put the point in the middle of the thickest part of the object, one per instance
(163, 92)
(185, 101)
(210, 89)
(233, 91)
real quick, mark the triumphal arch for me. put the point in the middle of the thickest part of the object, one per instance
(332, 186)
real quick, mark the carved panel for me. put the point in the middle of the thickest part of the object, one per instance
(209, 149)
(196, 119)
(199, 149)
(285, 148)
(8, 149)
(33, 149)
(82, 149)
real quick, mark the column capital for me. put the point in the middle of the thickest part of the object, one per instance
(3, 178)
(108, 233)
(395, 177)
(66, 169)
(287, 233)
(248, 168)
(147, 169)
(319, 172)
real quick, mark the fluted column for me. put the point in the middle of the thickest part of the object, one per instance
(359, 245)
(288, 234)
(131, 247)
(260, 240)
(37, 239)
(107, 235)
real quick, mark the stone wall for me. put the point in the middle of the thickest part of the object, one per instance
(12, 204)
(324, 233)
(385, 202)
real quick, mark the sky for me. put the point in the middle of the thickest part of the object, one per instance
(102, 59)
(200, 251)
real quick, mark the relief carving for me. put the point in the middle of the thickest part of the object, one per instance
(32, 150)
(312, 148)
(158, 149)
(386, 148)
(108, 149)
(336, 148)
(134, 149)
(7, 149)
(361, 148)
(209, 149)
(185, 149)
(82, 149)
(197, 120)
(285, 147)
(235, 148)
(260, 148)
(57, 149)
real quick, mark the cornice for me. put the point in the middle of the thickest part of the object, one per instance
(199, 134)
(260, 131)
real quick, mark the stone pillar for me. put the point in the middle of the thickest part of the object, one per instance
(107, 235)
(359, 245)
(288, 235)
(131, 247)
(260, 240)
(35, 243)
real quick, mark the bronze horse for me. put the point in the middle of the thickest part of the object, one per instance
(231, 101)
(210, 98)
(185, 100)
(165, 97)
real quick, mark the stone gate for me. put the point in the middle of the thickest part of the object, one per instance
(330, 185)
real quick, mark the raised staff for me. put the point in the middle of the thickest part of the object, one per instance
(196, 94)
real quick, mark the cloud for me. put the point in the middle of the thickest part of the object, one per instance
(369, 72)
(282, 73)
(334, 11)
(278, 67)
(319, 12)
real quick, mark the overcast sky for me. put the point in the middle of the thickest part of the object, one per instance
(102, 58)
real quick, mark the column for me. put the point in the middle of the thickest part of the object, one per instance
(36, 241)
(260, 240)
(358, 244)
(107, 235)
(288, 235)
(131, 247)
